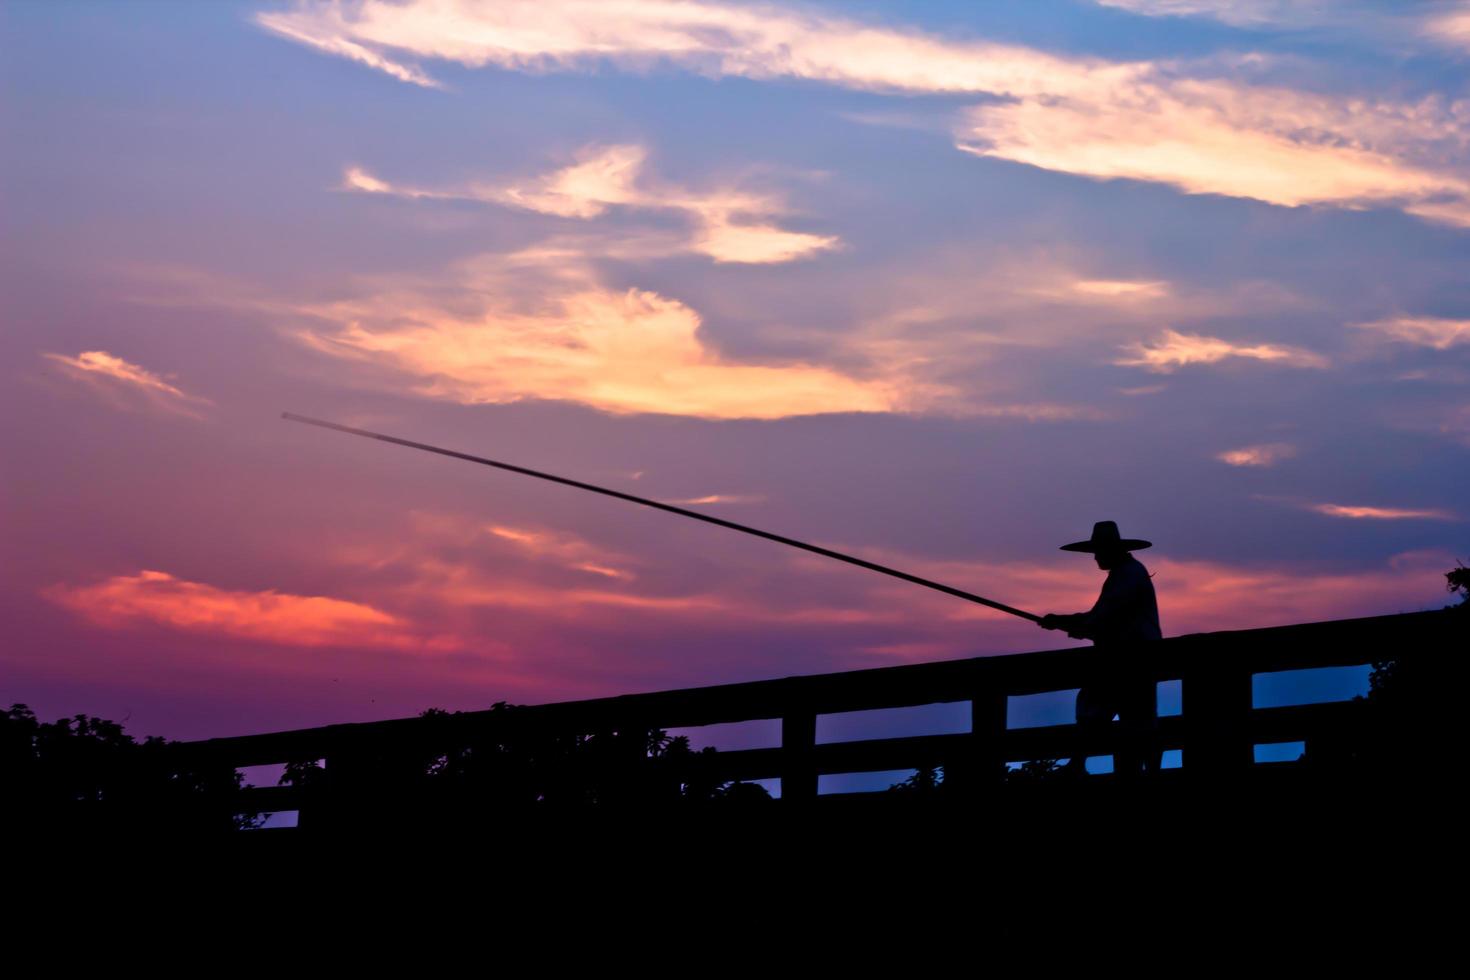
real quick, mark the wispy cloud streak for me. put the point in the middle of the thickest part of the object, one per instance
(114, 376)
(1266, 454)
(731, 225)
(564, 549)
(1174, 350)
(1382, 513)
(1424, 331)
(1242, 13)
(720, 498)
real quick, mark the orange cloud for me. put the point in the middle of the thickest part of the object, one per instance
(1381, 513)
(1426, 331)
(578, 340)
(268, 616)
(1174, 350)
(730, 225)
(1266, 454)
(116, 376)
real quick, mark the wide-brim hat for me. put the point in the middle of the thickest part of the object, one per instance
(1105, 538)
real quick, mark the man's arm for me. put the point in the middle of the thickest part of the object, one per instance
(1076, 625)
(1119, 594)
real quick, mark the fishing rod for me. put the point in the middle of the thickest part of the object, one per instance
(670, 508)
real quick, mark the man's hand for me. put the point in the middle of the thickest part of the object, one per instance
(1051, 621)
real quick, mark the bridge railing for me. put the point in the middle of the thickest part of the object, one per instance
(1216, 730)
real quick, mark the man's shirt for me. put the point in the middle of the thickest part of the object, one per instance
(1126, 612)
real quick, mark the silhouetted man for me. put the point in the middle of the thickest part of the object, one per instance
(1123, 620)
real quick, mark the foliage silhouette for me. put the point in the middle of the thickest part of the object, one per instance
(469, 765)
(84, 772)
(1037, 771)
(1457, 581)
(1406, 708)
(927, 780)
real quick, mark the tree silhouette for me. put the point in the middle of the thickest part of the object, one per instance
(83, 772)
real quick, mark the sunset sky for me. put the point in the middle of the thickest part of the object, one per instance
(939, 284)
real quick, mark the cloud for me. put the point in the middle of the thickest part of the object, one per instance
(1121, 288)
(542, 325)
(1451, 27)
(1456, 424)
(730, 225)
(721, 498)
(1074, 114)
(1038, 412)
(127, 383)
(1381, 513)
(1425, 331)
(1215, 137)
(564, 549)
(1442, 22)
(978, 326)
(1241, 13)
(1266, 454)
(711, 38)
(267, 616)
(337, 44)
(1175, 350)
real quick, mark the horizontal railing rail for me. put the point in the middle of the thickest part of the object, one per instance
(1216, 729)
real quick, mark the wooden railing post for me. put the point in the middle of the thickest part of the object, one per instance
(798, 756)
(983, 768)
(1216, 709)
